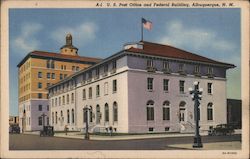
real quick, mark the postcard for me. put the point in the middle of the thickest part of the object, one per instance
(124, 79)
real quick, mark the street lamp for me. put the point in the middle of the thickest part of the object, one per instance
(196, 96)
(86, 109)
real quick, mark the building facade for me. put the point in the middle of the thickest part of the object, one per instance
(13, 120)
(143, 88)
(37, 71)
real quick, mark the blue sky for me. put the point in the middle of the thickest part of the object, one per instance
(214, 33)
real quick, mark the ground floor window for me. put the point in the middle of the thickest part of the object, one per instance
(150, 110)
(40, 121)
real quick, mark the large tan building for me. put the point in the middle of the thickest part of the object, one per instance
(37, 71)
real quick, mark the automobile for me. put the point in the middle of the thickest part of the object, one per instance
(14, 129)
(47, 131)
(221, 129)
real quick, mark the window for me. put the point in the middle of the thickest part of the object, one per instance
(77, 68)
(40, 121)
(60, 101)
(106, 88)
(167, 128)
(181, 86)
(64, 67)
(68, 119)
(197, 69)
(97, 91)
(48, 84)
(53, 76)
(150, 110)
(98, 114)
(150, 129)
(53, 118)
(115, 112)
(114, 65)
(106, 67)
(56, 117)
(106, 110)
(52, 64)
(52, 102)
(40, 95)
(91, 114)
(40, 107)
(73, 68)
(48, 75)
(150, 63)
(166, 65)
(61, 67)
(165, 85)
(72, 98)
(56, 101)
(97, 72)
(90, 92)
(39, 85)
(65, 75)
(150, 84)
(209, 88)
(72, 116)
(166, 110)
(181, 67)
(67, 99)
(48, 64)
(47, 120)
(40, 75)
(63, 100)
(114, 86)
(47, 107)
(209, 70)
(61, 76)
(89, 75)
(210, 111)
(83, 94)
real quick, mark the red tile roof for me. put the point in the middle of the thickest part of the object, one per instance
(44, 54)
(150, 48)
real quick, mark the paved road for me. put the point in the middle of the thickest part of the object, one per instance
(35, 142)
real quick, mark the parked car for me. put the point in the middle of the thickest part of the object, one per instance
(47, 131)
(14, 129)
(221, 129)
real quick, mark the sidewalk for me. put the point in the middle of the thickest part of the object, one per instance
(122, 137)
(80, 135)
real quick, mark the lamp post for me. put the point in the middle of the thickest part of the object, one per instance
(86, 109)
(196, 96)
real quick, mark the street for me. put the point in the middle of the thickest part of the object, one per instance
(35, 142)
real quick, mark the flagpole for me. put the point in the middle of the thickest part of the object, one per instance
(141, 30)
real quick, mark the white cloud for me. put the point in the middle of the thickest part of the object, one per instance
(198, 38)
(82, 34)
(26, 41)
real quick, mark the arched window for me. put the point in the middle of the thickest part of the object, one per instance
(72, 116)
(61, 115)
(68, 119)
(106, 110)
(115, 112)
(67, 98)
(52, 117)
(72, 98)
(182, 111)
(210, 111)
(56, 117)
(150, 110)
(98, 114)
(166, 110)
(91, 114)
